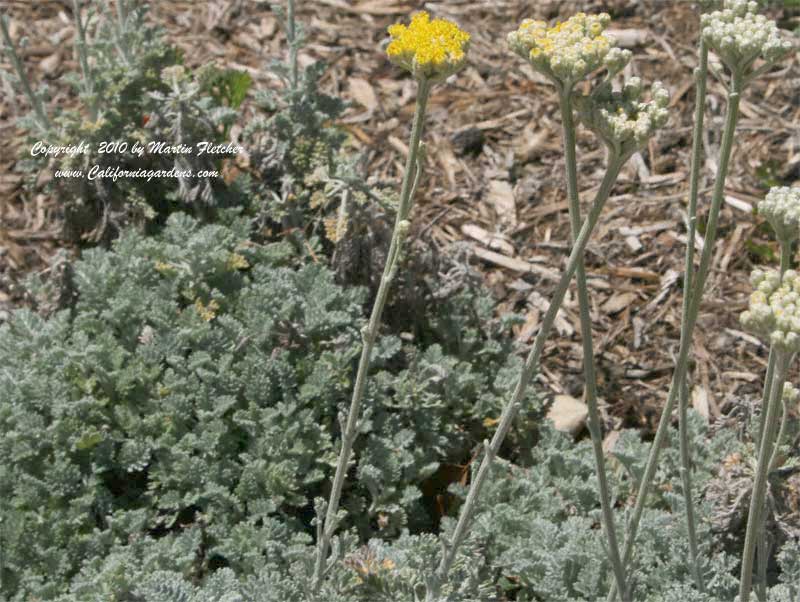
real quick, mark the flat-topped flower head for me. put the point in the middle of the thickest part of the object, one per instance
(740, 36)
(781, 208)
(621, 119)
(567, 52)
(429, 49)
(774, 310)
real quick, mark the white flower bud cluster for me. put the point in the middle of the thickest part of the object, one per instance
(740, 36)
(781, 208)
(790, 394)
(774, 310)
(571, 50)
(621, 119)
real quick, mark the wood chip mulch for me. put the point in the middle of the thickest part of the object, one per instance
(495, 174)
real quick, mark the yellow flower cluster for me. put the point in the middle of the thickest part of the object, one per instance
(568, 51)
(162, 267)
(237, 262)
(432, 49)
(206, 312)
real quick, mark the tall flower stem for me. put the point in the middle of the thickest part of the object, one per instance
(34, 99)
(761, 545)
(82, 47)
(122, 31)
(701, 76)
(756, 513)
(786, 254)
(773, 463)
(568, 126)
(370, 332)
(291, 33)
(528, 372)
(688, 321)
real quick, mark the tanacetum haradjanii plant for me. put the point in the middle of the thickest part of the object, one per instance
(434, 49)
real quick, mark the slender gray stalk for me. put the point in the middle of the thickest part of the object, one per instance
(687, 323)
(701, 77)
(762, 557)
(34, 99)
(756, 513)
(122, 31)
(370, 333)
(529, 370)
(83, 58)
(593, 421)
(786, 253)
(291, 34)
(773, 463)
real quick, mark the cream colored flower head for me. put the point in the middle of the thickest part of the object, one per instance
(429, 49)
(621, 119)
(790, 394)
(774, 310)
(739, 35)
(567, 52)
(781, 208)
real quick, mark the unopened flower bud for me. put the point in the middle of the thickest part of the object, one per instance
(621, 119)
(781, 208)
(740, 36)
(774, 311)
(567, 52)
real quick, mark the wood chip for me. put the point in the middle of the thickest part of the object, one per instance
(530, 327)
(501, 197)
(700, 401)
(745, 337)
(616, 303)
(610, 441)
(639, 273)
(738, 375)
(738, 204)
(517, 265)
(370, 8)
(568, 414)
(633, 243)
(628, 38)
(496, 242)
(655, 227)
(363, 93)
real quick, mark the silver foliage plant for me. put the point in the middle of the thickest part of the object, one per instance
(132, 89)
(537, 527)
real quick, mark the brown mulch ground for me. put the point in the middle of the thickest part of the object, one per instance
(495, 173)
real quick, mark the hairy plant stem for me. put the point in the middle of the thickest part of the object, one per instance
(687, 323)
(756, 514)
(370, 333)
(291, 34)
(701, 76)
(122, 31)
(773, 463)
(786, 253)
(529, 370)
(83, 57)
(761, 545)
(34, 99)
(568, 126)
